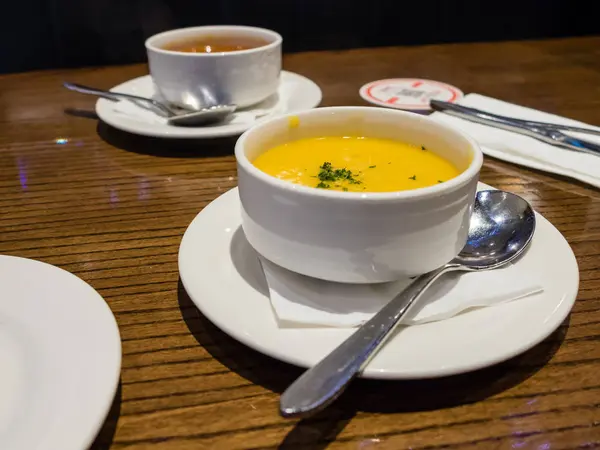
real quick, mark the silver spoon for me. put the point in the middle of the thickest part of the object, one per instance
(501, 227)
(174, 115)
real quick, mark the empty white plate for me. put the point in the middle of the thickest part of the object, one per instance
(295, 93)
(60, 358)
(223, 277)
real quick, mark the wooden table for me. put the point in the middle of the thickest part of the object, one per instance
(112, 207)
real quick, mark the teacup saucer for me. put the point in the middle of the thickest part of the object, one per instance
(223, 277)
(295, 93)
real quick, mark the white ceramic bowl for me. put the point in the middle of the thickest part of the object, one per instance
(243, 77)
(357, 237)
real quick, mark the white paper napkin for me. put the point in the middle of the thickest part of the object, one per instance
(300, 301)
(524, 150)
(269, 107)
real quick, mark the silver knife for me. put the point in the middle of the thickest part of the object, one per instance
(545, 132)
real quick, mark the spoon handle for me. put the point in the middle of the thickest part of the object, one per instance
(118, 96)
(324, 382)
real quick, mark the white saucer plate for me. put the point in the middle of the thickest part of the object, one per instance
(222, 276)
(60, 358)
(296, 93)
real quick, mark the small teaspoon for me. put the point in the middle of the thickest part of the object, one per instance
(202, 116)
(501, 227)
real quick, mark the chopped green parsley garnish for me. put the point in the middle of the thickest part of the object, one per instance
(423, 147)
(328, 173)
(440, 181)
(345, 189)
(414, 177)
(372, 167)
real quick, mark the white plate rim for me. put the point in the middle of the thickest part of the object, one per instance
(67, 435)
(560, 313)
(106, 114)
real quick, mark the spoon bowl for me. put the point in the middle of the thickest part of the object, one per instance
(204, 116)
(500, 229)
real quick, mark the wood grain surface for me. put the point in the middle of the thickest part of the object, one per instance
(111, 208)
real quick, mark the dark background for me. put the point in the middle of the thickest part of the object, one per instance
(37, 34)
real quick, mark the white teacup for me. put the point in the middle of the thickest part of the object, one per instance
(197, 80)
(357, 237)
